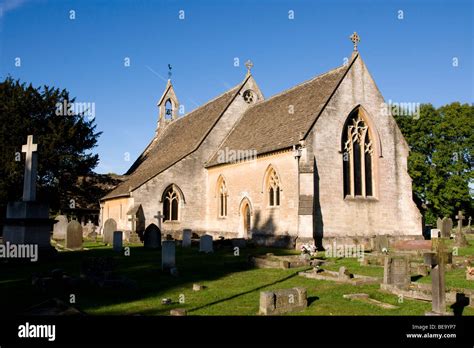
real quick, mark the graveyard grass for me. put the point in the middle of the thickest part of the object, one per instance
(232, 287)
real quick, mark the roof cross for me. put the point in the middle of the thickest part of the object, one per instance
(249, 66)
(355, 38)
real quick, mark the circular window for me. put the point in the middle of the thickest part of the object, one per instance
(248, 96)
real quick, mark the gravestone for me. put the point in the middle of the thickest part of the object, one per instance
(396, 271)
(168, 255)
(88, 228)
(152, 237)
(205, 244)
(60, 227)
(445, 226)
(186, 238)
(110, 226)
(27, 221)
(118, 241)
(282, 301)
(74, 235)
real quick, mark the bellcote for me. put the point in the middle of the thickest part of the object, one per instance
(168, 106)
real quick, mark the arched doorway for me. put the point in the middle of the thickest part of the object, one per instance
(245, 225)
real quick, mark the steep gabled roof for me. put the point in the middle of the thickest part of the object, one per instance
(281, 121)
(180, 138)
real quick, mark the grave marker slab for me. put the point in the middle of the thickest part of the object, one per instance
(205, 244)
(168, 255)
(187, 238)
(74, 235)
(118, 241)
(283, 301)
(396, 271)
(110, 226)
(152, 237)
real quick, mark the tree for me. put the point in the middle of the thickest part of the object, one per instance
(65, 141)
(441, 158)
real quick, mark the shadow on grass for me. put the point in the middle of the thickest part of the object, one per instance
(143, 266)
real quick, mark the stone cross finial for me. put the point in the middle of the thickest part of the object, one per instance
(31, 163)
(159, 216)
(460, 217)
(249, 66)
(355, 38)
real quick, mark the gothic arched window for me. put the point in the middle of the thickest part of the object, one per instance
(273, 189)
(222, 198)
(357, 157)
(171, 204)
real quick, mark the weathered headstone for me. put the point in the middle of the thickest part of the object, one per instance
(152, 237)
(168, 255)
(186, 238)
(118, 241)
(110, 226)
(445, 226)
(396, 271)
(283, 301)
(60, 227)
(88, 228)
(205, 244)
(74, 235)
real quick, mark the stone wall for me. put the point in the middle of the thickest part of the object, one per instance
(392, 210)
(246, 183)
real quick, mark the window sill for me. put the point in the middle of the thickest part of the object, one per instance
(222, 217)
(360, 199)
(173, 222)
(274, 207)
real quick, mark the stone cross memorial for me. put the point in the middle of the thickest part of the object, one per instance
(159, 217)
(460, 238)
(437, 261)
(27, 221)
(187, 238)
(31, 164)
(74, 235)
(168, 255)
(205, 244)
(118, 241)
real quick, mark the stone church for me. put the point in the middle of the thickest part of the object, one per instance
(319, 161)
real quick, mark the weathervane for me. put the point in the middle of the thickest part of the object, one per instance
(169, 71)
(355, 40)
(249, 66)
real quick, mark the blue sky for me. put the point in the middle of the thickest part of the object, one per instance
(411, 59)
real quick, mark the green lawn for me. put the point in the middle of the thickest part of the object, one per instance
(232, 287)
